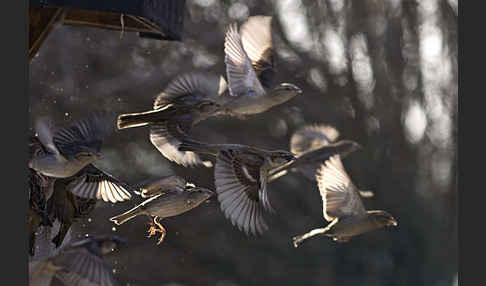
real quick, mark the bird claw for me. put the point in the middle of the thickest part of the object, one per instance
(153, 230)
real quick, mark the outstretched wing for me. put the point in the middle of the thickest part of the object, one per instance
(159, 186)
(242, 78)
(256, 37)
(238, 187)
(92, 183)
(339, 196)
(166, 136)
(311, 137)
(80, 267)
(191, 89)
(89, 132)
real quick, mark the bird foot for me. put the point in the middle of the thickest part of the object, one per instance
(153, 230)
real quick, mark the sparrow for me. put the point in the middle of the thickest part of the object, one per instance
(241, 174)
(166, 198)
(70, 153)
(313, 144)
(342, 206)
(67, 208)
(80, 263)
(250, 69)
(188, 99)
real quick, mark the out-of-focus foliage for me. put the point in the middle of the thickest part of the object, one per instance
(383, 72)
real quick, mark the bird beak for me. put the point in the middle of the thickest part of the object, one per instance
(394, 222)
(299, 91)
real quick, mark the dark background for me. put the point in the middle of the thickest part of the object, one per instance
(383, 73)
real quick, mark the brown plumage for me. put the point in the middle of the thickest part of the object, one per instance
(68, 153)
(240, 175)
(342, 206)
(188, 99)
(79, 263)
(250, 68)
(166, 197)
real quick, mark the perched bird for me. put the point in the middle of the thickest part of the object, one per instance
(79, 263)
(241, 180)
(313, 144)
(166, 198)
(342, 206)
(188, 99)
(250, 69)
(70, 154)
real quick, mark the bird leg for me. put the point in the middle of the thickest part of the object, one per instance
(300, 238)
(153, 230)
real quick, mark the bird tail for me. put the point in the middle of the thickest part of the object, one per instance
(130, 120)
(126, 216)
(197, 147)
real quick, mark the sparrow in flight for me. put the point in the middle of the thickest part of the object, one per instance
(250, 69)
(167, 197)
(342, 206)
(241, 174)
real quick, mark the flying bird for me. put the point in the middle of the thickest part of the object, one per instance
(188, 99)
(54, 199)
(241, 174)
(79, 263)
(313, 144)
(69, 154)
(342, 206)
(49, 201)
(250, 69)
(167, 197)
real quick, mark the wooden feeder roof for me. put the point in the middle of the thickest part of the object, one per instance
(156, 19)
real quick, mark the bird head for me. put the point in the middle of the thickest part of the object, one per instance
(197, 195)
(383, 218)
(280, 157)
(285, 91)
